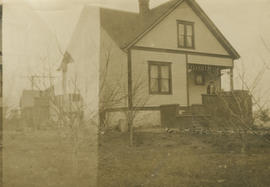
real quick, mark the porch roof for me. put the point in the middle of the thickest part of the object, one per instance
(206, 67)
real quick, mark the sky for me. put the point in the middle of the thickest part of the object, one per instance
(31, 28)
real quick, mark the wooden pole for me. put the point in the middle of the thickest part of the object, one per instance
(187, 78)
(130, 100)
(231, 79)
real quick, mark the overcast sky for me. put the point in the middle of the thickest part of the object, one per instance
(32, 26)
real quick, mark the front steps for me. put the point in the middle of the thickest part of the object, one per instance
(186, 117)
(194, 116)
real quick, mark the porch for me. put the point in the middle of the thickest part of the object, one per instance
(220, 109)
(205, 79)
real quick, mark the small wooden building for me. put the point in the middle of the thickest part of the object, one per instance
(34, 106)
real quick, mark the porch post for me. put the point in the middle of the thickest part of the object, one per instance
(130, 103)
(187, 83)
(231, 79)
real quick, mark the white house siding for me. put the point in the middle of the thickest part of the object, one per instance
(164, 35)
(116, 74)
(139, 63)
(209, 60)
(140, 60)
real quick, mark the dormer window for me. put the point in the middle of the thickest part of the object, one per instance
(185, 34)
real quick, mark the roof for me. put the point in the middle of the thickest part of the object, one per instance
(126, 28)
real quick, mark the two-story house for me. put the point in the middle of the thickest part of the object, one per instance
(171, 54)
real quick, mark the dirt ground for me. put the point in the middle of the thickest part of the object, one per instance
(168, 160)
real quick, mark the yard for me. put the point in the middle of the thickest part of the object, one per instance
(42, 158)
(175, 159)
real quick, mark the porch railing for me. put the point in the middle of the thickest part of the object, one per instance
(236, 105)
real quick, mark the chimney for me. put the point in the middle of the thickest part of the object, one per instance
(144, 7)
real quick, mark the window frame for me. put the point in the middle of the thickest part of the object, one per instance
(185, 23)
(203, 78)
(159, 64)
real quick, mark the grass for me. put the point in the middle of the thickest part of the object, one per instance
(162, 159)
(44, 159)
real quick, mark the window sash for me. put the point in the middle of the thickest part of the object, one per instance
(185, 34)
(162, 83)
(154, 85)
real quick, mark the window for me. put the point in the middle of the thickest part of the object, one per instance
(199, 79)
(160, 78)
(185, 32)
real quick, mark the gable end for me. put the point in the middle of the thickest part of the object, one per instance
(204, 18)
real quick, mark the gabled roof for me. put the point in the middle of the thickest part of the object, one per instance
(126, 28)
(123, 27)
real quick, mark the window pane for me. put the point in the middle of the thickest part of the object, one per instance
(181, 35)
(154, 71)
(189, 41)
(165, 72)
(154, 85)
(181, 41)
(164, 85)
(189, 29)
(181, 29)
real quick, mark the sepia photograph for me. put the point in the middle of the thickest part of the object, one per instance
(129, 93)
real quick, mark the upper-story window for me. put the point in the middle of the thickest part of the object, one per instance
(185, 34)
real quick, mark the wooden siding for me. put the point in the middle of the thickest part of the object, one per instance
(207, 60)
(164, 35)
(115, 61)
(178, 65)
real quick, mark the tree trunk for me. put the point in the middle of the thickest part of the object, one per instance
(244, 143)
(75, 168)
(131, 133)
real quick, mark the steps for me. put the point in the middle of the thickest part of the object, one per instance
(175, 116)
(194, 116)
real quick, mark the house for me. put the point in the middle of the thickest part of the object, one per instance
(171, 55)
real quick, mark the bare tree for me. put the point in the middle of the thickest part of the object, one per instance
(113, 95)
(233, 110)
(70, 115)
(139, 99)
